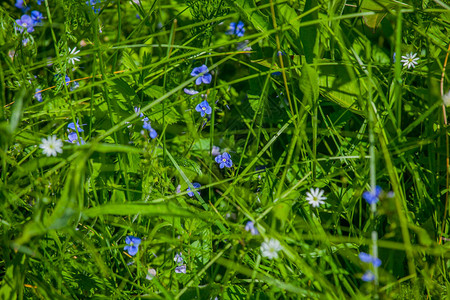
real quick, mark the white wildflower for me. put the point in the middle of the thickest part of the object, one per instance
(315, 197)
(51, 146)
(410, 60)
(72, 58)
(271, 248)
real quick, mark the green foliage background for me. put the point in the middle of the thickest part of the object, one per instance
(309, 97)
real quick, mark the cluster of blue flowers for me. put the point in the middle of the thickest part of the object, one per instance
(181, 267)
(375, 261)
(236, 29)
(28, 22)
(152, 132)
(93, 3)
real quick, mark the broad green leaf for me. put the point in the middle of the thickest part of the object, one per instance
(309, 84)
(337, 86)
(379, 7)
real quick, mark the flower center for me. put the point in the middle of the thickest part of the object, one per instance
(224, 160)
(203, 108)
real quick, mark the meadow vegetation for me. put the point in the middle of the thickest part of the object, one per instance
(224, 149)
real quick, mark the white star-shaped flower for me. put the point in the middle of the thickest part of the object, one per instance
(315, 197)
(72, 58)
(271, 248)
(410, 60)
(51, 146)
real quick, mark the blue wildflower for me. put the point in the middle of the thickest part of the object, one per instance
(203, 107)
(205, 78)
(367, 258)
(224, 160)
(20, 4)
(147, 126)
(178, 258)
(132, 244)
(251, 227)
(73, 137)
(276, 73)
(237, 29)
(92, 3)
(77, 128)
(137, 110)
(191, 193)
(36, 16)
(38, 95)
(25, 22)
(181, 269)
(39, 2)
(372, 196)
(368, 276)
(67, 80)
(190, 92)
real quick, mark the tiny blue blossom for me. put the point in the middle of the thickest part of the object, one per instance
(132, 244)
(203, 107)
(77, 128)
(251, 227)
(190, 92)
(137, 110)
(73, 137)
(39, 2)
(224, 160)
(367, 258)
(205, 78)
(191, 193)
(181, 269)
(20, 4)
(376, 262)
(372, 196)
(152, 132)
(368, 276)
(38, 95)
(178, 258)
(92, 3)
(36, 16)
(67, 80)
(237, 29)
(25, 22)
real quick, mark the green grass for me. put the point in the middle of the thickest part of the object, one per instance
(313, 100)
